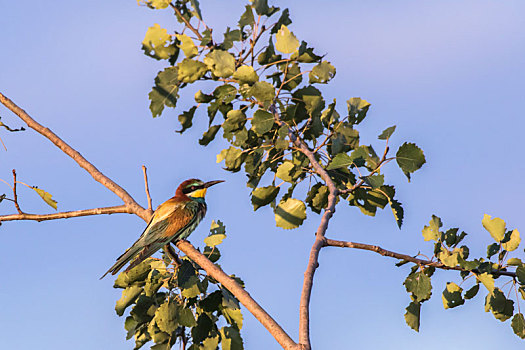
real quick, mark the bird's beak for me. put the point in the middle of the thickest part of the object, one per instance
(211, 183)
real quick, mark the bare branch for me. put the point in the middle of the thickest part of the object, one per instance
(144, 170)
(244, 297)
(391, 254)
(77, 157)
(15, 197)
(67, 214)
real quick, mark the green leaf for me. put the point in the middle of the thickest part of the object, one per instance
(246, 75)
(187, 45)
(492, 249)
(305, 54)
(191, 289)
(186, 317)
(217, 234)
(263, 91)
(513, 242)
(154, 282)
(322, 73)
(385, 135)
(209, 135)
(190, 70)
(412, 316)
(197, 9)
(186, 119)
(501, 307)
(284, 19)
(487, 280)
(232, 158)
(452, 296)
(157, 43)
(138, 274)
(285, 41)
(410, 158)
(514, 262)
(47, 197)
(357, 109)
(262, 122)
(431, 232)
(203, 328)
(290, 213)
(165, 91)
(233, 316)
(518, 325)
(262, 196)
(398, 211)
(221, 63)
(158, 336)
(317, 197)
(158, 4)
(375, 181)
(419, 285)
(341, 160)
(166, 316)
(231, 339)
(210, 343)
(449, 259)
(312, 98)
(247, 18)
(496, 227)
(286, 171)
(235, 120)
(471, 293)
(201, 97)
(129, 295)
(262, 9)
(520, 274)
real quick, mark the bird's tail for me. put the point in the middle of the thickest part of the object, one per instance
(123, 260)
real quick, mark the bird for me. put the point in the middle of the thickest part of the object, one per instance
(173, 220)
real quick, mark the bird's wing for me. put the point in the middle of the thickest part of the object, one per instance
(170, 217)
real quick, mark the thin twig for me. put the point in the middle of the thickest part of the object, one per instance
(400, 256)
(186, 22)
(67, 214)
(150, 205)
(15, 197)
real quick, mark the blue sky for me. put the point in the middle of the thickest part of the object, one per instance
(449, 74)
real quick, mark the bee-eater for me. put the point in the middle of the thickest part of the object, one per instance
(175, 219)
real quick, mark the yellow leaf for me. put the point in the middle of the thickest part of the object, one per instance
(47, 197)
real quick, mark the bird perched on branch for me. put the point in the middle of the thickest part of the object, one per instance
(173, 220)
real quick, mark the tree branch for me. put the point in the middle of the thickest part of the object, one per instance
(132, 207)
(186, 22)
(313, 260)
(67, 214)
(15, 196)
(146, 185)
(242, 295)
(391, 254)
(77, 157)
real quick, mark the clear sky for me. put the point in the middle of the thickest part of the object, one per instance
(449, 74)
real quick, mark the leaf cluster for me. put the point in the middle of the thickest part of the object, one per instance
(266, 95)
(181, 303)
(486, 271)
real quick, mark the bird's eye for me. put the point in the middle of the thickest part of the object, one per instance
(192, 188)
